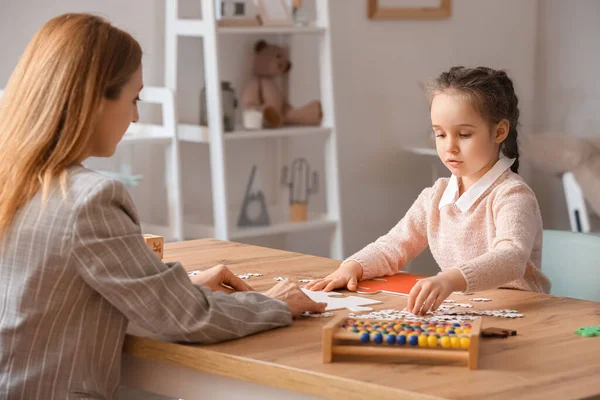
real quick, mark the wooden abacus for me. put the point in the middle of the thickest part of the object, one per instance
(441, 341)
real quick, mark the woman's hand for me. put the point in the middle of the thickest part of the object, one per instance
(347, 275)
(220, 278)
(297, 301)
(429, 293)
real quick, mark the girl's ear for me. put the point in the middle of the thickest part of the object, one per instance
(501, 131)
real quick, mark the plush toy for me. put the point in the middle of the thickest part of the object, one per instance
(262, 92)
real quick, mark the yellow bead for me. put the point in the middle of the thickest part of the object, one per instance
(422, 341)
(445, 341)
(455, 342)
(440, 330)
(466, 330)
(458, 330)
(465, 342)
(432, 341)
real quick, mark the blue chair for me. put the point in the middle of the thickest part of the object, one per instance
(572, 263)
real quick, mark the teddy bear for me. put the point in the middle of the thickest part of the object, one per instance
(263, 93)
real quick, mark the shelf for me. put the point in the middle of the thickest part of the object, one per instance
(200, 134)
(277, 30)
(196, 27)
(425, 151)
(315, 221)
(146, 132)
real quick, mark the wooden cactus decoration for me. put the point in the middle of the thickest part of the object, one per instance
(298, 179)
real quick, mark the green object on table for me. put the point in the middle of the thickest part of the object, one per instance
(588, 331)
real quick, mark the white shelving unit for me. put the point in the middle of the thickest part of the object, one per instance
(224, 226)
(166, 135)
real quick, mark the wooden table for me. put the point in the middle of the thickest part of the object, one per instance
(545, 360)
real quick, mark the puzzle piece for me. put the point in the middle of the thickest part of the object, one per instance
(481, 299)
(588, 331)
(305, 280)
(317, 315)
(335, 302)
(464, 305)
(248, 275)
(280, 278)
(400, 284)
(497, 333)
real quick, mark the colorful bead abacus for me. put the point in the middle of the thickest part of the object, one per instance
(433, 340)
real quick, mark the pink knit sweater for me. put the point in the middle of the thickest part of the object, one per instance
(492, 234)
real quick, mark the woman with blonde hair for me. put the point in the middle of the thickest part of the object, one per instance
(74, 269)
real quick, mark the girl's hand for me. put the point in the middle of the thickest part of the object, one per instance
(429, 293)
(347, 275)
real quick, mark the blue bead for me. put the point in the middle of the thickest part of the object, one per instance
(365, 337)
(391, 339)
(378, 338)
(413, 340)
(401, 339)
(451, 332)
(456, 325)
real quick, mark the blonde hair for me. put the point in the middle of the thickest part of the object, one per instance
(50, 106)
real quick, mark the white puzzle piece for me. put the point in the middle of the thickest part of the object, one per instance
(335, 302)
(482, 299)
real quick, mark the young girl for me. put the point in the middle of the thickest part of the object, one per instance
(74, 268)
(483, 225)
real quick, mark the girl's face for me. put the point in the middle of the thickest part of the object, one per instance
(465, 142)
(115, 117)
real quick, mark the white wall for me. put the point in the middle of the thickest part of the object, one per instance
(567, 87)
(380, 107)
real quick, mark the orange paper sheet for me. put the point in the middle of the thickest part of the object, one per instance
(396, 284)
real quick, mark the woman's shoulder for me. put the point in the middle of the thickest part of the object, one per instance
(84, 184)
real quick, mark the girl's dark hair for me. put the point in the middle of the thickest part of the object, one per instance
(492, 94)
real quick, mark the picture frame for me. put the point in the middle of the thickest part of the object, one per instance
(236, 13)
(438, 9)
(274, 12)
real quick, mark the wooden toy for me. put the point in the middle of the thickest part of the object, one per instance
(442, 341)
(400, 284)
(298, 179)
(156, 244)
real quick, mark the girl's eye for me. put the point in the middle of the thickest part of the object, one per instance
(137, 99)
(439, 135)
(465, 135)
